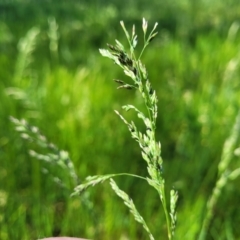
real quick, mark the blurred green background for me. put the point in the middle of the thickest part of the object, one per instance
(52, 75)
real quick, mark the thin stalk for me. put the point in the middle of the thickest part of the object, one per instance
(223, 172)
(144, 47)
(211, 204)
(163, 200)
(131, 175)
(148, 40)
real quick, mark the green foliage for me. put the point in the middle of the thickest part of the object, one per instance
(62, 86)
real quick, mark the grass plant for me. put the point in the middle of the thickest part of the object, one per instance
(55, 80)
(224, 175)
(54, 156)
(132, 66)
(149, 146)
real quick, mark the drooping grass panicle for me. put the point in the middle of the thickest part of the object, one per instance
(91, 181)
(129, 203)
(55, 159)
(224, 174)
(94, 180)
(53, 156)
(229, 146)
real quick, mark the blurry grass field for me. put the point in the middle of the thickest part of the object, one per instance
(53, 76)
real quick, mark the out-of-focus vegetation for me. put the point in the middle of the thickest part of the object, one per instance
(53, 76)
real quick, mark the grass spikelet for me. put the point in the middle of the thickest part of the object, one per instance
(25, 46)
(129, 203)
(224, 174)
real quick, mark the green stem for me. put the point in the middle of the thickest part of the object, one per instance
(163, 200)
(146, 43)
(211, 204)
(129, 174)
(144, 47)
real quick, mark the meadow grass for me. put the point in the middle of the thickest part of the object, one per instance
(197, 87)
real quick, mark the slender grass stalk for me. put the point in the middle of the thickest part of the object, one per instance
(224, 176)
(150, 148)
